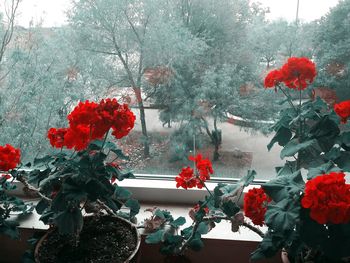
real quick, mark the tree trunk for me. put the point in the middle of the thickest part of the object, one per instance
(137, 92)
(216, 139)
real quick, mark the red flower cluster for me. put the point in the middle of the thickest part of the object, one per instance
(297, 73)
(90, 121)
(6, 176)
(56, 136)
(328, 198)
(9, 157)
(203, 166)
(188, 179)
(255, 205)
(343, 110)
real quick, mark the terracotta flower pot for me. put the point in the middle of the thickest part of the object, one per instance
(94, 243)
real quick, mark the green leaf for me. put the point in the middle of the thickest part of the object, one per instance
(230, 208)
(333, 154)
(69, 221)
(282, 137)
(247, 179)
(287, 169)
(121, 193)
(155, 237)
(345, 139)
(325, 131)
(203, 228)
(196, 244)
(97, 145)
(268, 247)
(343, 161)
(285, 186)
(323, 169)
(134, 207)
(294, 147)
(43, 161)
(186, 232)
(282, 216)
(41, 206)
(178, 222)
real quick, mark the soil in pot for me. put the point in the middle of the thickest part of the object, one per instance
(102, 240)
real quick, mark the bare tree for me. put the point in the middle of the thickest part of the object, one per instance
(9, 23)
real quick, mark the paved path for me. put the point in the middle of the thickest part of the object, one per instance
(233, 138)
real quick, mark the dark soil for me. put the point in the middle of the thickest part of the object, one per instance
(102, 240)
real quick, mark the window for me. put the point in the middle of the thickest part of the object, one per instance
(192, 71)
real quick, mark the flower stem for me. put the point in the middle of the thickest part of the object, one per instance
(32, 188)
(289, 99)
(104, 141)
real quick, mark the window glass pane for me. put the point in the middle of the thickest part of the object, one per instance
(191, 70)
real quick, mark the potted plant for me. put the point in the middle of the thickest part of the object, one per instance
(79, 197)
(9, 203)
(306, 208)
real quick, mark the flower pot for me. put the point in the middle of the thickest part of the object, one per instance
(102, 239)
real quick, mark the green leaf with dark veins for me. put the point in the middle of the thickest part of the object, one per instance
(69, 222)
(134, 207)
(203, 228)
(323, 169)
(294, 147)
(178, 222)
(282, 216)
(282, 137)
(155, 237)
(121, 193)
(343, 161)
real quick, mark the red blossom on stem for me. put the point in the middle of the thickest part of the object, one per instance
(255, 205)
(273, 78)
(6, 176)
(56, 136)
(9, 157)
(343, 110)
(297, 73)
(189, 179)
(328, 198)
(90, 121)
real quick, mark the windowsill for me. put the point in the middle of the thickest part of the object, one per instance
(221, 231)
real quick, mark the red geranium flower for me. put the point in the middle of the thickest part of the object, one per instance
(298, 73)
(90, 121)
(77, 137)
(6, 176)
(273, 78)
(123, 122)
(203, 166)
(328, 198)
(343, 110)
(9, 157)
(186, 178)
(255, 205)
(56, 136)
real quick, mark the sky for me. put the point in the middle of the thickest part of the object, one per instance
(52, 12)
